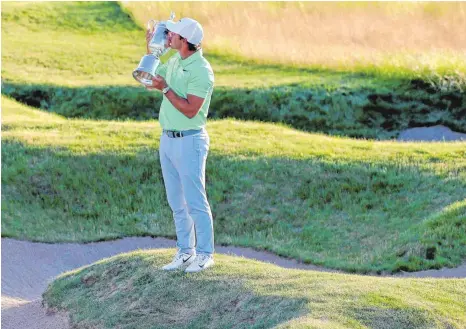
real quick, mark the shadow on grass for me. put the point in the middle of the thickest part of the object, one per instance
(394, 318)
(355, 216)
(349, 110)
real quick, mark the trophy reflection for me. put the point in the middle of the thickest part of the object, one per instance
(158, 46)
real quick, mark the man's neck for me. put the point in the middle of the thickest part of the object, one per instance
(186, 53)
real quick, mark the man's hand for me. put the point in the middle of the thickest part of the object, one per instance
(158, 83)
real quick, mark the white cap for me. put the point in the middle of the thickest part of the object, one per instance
(188, 28)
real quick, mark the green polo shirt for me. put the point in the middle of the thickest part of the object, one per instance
(192, 75)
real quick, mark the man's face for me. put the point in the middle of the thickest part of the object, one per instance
(174, 40)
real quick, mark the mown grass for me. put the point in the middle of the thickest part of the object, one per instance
(96, 43)
(82, 68)
(80, 43)
(131, 291)
(361, 206)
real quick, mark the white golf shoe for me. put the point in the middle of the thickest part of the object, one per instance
(201, 263)
(180, 260)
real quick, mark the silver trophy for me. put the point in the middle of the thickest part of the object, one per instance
(158, 46)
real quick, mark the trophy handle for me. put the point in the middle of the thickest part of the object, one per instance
(152, 26)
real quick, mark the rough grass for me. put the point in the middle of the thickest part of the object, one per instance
(131, 291)
(391, 39)
(360, 206)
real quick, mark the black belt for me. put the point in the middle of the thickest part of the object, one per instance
(182, 133)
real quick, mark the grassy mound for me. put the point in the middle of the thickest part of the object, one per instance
(83, 69)
(131, 291)
(356, 205)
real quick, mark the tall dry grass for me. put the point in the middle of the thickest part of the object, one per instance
(412, 35)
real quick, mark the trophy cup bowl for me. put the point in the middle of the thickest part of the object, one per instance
(158, 46)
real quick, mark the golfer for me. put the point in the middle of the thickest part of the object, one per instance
(186, 81)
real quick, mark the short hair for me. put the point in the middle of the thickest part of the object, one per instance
(191, 47)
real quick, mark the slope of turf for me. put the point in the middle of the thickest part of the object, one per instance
(354, 205)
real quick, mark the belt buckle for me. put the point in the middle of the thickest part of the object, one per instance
(174, 134)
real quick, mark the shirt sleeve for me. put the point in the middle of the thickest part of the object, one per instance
(162, 70)
(201, 84)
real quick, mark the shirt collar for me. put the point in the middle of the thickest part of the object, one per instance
(194, 57)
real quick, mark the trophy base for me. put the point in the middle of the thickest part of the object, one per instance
(146, 70)
(143, 77)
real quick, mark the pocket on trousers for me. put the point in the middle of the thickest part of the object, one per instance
(201, 149)
(201, 143)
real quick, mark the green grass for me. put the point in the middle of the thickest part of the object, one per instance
(361, 206)
(131, 291)
(82, 68)
(92, 173)
(97, 44)
(73, 43)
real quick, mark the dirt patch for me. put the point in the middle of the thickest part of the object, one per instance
(21, 314)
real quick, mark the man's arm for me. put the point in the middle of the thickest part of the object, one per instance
(189, 106)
